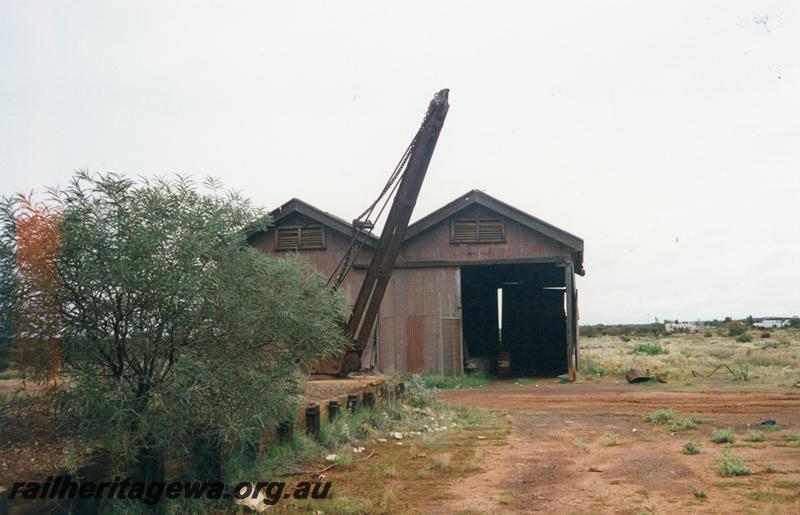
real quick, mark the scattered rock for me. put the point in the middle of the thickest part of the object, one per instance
(480, 437)
(381, 440)
(397, 435)
(594, 469)
(331, 458)
(633, 376)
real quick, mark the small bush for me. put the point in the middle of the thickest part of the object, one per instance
(744, 338)
(609, 440)
(723, 435)
(754, 436)
(419, 394)
(708, 334)
(765, 334)
(729, 465)
(735, 328)
(792, 437)
(661, 417)
(443, 462)
(650, 349)
(691, 448)
(699, 494)
(625, 338)
(684, 423)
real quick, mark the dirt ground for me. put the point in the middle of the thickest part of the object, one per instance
(586, 448)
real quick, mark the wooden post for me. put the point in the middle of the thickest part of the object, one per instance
(285, 431)
(333, 409)
(368, 400)
(313, 420)
(569, 292)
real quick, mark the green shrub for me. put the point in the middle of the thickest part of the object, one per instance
(792, 437)
(691, 448)
(684, 423)
(723, 435)
(661, 417)
(729, 465)
(744, 338)
(736, 328)
(625, 338)
(651, 349)
(754, 436)
(160, 275)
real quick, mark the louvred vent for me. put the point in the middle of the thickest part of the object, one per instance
(465, 231)
(491, 231)
(303, 238)
(288, 238)
(311, 237)
(478, 231)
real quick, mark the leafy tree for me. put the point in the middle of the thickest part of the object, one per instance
(8, 243)
(171, 326)
(36, 351)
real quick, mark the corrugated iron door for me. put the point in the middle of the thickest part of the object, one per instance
(415, 340)
(452, 361)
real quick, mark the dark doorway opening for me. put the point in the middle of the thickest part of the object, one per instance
(517, 309)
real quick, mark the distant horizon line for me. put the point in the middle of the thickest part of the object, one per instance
(658, 320)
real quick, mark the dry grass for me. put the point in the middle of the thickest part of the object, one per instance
(770, 362)
(610, 440)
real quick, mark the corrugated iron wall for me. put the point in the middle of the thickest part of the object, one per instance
(420, 321)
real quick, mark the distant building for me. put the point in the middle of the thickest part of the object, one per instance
(671, 327)
(772, 323)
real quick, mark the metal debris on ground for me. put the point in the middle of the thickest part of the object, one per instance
(733, 373)
(633, 376)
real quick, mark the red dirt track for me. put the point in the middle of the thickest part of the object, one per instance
(624, 398)
(558, 458)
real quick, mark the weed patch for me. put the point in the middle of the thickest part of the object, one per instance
(729, 465)
(610, 440)
(691, 448)
(660, 417)
(723, 435)
(650, 349)
(754, 436)
(448, 382)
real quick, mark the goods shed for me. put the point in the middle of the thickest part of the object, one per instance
(475, 280)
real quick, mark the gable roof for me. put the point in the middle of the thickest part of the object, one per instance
(339, 225)
(484, 199)
(574, 243)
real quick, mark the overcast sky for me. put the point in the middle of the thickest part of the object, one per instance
(665, 134)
